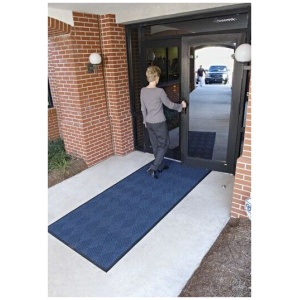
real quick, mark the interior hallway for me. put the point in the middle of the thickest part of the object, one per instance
(162, 262)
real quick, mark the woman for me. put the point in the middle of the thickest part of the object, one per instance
(152, 100)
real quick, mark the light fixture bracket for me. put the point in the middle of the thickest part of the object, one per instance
(95, 60)
(91, 68)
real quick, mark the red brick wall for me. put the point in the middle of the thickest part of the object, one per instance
(53, 130)
(242, 182)
(117, 83)
(93, 108)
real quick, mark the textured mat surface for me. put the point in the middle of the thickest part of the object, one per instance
(201, 144)
(106, 227)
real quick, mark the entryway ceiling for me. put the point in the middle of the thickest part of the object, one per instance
(127, 13)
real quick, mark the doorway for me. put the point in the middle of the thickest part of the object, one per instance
(166, 56)
(210, 126)
(209, 133)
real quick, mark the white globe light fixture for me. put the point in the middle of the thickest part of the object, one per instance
(95, 60)
(243, 53)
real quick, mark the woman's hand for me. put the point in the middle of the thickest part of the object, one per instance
(183, 103)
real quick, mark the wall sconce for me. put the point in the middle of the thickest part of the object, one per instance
(95, 61)
(243, 53)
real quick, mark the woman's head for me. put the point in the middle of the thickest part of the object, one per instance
(153, 73)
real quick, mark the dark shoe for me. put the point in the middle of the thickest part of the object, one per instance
(164, 168)
(152, 173)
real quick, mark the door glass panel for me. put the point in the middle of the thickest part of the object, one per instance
(210, 104)
(157, 57)
(173, 65)
(136, 85)
(166, 58)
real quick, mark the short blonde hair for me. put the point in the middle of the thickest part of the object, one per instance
(152, 73)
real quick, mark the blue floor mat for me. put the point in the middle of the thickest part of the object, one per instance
(201, 144)
(106, 227)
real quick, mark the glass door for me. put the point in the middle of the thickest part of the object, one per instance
(210, 134)
(165, 55)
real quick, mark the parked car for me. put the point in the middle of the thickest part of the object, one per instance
(217, 74)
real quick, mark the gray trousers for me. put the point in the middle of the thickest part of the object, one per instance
(159, 138)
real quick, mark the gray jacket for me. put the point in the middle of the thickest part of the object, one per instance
(152, 100)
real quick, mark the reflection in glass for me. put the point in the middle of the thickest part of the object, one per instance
(136, 84)
(167, 60)
(173, 66)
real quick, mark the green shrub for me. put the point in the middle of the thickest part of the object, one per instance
(58, 159)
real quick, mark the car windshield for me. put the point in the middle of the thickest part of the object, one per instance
(217, 69)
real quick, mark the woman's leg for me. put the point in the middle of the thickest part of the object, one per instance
(153, 139)
(159, 138)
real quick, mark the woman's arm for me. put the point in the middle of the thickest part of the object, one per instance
(143, 109)
(168, 103)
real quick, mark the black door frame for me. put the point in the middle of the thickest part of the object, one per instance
(234, 138)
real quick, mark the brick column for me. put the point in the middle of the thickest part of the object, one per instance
(53, 130)
(242, 182)
(117, 83)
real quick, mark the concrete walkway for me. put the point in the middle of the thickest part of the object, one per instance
(163, 261)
